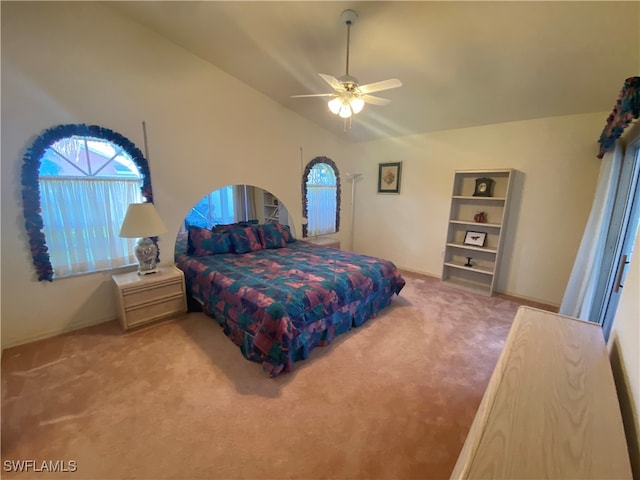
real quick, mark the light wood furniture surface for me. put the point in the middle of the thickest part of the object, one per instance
(550, 410)
(324, 241)
(143, 299)
(481, 276)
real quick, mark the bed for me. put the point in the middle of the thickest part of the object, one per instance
(277, 298)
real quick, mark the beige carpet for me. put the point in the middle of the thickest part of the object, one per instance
(393, 399)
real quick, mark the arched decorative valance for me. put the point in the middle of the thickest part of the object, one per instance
(305, 176)
(626, 109)
(31, 183)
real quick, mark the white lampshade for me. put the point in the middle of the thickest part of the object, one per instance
(142, 220)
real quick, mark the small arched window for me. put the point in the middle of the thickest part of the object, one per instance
(321, 200)
(78, 181)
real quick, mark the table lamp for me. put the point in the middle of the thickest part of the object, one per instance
(142, 221)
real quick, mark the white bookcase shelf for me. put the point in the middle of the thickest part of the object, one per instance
(271, 208)
(481, 276)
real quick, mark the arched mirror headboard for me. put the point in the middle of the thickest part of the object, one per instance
(233, 204)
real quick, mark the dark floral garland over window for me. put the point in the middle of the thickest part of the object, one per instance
(626, 109)
(305, 206)
(31, 184)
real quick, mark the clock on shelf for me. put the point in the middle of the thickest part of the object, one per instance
(483, 187)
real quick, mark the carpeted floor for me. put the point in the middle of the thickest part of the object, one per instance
(393, 399)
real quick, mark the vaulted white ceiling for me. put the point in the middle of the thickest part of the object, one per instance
(462, 64)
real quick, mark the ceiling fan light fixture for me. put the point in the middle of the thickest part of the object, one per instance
(345, 111)
(334, 105)
(357, 104)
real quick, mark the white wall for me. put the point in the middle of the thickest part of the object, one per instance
(81, 62)
(551, 197)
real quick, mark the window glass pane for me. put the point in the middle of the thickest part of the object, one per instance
(125, 166)
(103, 148)
(79, 156)
(321, 174)
(86, 185)
(71, 156)
(321, 200)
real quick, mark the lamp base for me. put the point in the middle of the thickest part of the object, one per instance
(146, 252)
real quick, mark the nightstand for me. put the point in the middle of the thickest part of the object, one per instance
(143, 299)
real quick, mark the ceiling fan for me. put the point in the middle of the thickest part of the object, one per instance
(349, 97)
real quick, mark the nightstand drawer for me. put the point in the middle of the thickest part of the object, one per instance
(156, 310)
(144, 299)
(148, 293)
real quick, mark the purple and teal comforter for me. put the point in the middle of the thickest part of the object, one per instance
(278, 304)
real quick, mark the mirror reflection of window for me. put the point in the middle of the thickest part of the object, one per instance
(212, 209)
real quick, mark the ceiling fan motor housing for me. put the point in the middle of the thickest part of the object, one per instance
(348, 82)
(349, 17)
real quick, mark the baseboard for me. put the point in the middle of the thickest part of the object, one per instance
(55, 332)
(531, 302)
(419, 272)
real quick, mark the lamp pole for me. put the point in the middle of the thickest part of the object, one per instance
(353, 177)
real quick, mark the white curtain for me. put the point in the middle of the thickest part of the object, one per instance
(82, 219)
(321, 209)
(578, 297)
(244, 203)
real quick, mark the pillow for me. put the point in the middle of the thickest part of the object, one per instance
(286, 233)
(205, 242)
(223, 228)
(193, 234)
(245, 240)
(226, 227)
(271, 236)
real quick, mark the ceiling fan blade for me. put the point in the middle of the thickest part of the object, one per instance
(333, 81)
(314, 95)
(376, 100)
(379, 86)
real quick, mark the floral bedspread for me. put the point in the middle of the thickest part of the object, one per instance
(278, 304)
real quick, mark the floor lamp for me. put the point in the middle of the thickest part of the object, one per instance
(353, 177)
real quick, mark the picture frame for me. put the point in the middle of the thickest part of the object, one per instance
(484, 187)
(476, 239)
(389, 175)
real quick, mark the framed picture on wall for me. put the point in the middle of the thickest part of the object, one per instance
(389, 177)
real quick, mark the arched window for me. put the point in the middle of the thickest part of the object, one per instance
(321, 199)
(78, 181)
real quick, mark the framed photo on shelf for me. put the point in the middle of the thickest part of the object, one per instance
(389, 177)
(475, 239)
